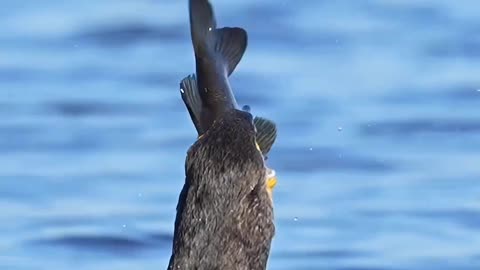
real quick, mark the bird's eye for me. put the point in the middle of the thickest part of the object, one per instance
(246, 108)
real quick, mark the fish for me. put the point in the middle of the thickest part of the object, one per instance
(208, 93)
(217, 52)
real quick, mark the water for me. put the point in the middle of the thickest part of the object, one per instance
(377, 105)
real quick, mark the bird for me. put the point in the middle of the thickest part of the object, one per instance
(225, 217)
(266, 130)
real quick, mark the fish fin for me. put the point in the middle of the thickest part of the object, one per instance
(228, 42)
(231, 43)
(266, 134)
(192, 99)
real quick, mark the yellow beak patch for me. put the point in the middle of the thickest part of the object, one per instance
(271, 182)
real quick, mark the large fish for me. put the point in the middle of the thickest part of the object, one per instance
(217, 52)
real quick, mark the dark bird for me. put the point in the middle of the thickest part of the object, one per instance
(224, 213)
(266, 130)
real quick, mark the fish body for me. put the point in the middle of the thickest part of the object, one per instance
(217, 52)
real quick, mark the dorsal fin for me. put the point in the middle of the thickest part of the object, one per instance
(266, 134)
(231, 43)
(192, 100)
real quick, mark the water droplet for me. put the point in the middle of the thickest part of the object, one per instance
(181, 90)
(295, 219)
(124, 225)
(339, 128)
(140, 194)
(478, 90)
(206, 90)
(210, 29)
(311, 148)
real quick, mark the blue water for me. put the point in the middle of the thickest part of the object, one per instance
(377, 105)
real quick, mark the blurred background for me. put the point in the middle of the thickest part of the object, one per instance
(377, 105)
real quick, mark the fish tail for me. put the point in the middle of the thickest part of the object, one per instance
(226, 45)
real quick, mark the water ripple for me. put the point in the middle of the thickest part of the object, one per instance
(327, 159)
(107, 243)
(124, 35)
(88, 108)
(421, 126)
(323, 254)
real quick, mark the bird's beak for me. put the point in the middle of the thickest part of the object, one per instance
(271, 181)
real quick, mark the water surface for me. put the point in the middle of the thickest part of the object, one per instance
(377, 105)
